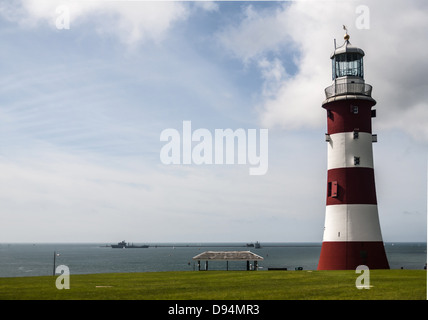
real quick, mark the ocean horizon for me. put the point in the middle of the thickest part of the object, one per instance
(39, 259)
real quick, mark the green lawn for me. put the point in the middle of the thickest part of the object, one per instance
(221, 285)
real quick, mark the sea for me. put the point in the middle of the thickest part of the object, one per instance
(41, 259)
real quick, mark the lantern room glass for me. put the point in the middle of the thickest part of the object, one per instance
(348, 64)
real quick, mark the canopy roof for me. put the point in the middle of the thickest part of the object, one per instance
(228, 255)
(347, 47)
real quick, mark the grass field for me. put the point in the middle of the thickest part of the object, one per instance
(222, 285)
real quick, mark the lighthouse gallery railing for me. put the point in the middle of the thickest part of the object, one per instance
(348, 88)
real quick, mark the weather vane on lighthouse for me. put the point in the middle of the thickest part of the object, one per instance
(352, 234)
(346, 37)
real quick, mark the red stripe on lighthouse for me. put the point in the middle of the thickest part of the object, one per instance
(353, 186)
(341, 118)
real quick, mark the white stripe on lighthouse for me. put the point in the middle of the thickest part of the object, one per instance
(352, 222)
(342, 148)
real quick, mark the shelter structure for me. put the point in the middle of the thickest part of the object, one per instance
(228, 256)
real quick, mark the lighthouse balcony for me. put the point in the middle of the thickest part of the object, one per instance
(340, 89)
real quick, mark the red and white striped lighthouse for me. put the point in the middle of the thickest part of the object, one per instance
(352, 233)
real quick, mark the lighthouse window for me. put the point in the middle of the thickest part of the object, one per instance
(356, 133)
(348, 64)
(354, 109)
(356, 160)
(327, 137)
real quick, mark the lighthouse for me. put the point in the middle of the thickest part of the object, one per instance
(352, 233)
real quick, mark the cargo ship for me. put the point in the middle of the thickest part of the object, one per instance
(252, 245)
(124, 245)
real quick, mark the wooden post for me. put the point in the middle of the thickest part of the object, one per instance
(54, 264)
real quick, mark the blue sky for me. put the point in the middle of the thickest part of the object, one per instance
(81, 112)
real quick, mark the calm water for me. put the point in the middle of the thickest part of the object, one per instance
(18, 260)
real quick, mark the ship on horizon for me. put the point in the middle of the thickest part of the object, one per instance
(124, 245)
(252, 245)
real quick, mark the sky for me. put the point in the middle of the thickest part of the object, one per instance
(87, 88)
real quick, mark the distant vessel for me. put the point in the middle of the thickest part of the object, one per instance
(124, 245)
(252, 245)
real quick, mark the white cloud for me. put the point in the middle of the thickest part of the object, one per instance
(273, 73)
(290, 101)
(207, 5)
(129, 21)
(257, 33)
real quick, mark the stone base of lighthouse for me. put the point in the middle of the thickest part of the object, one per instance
(348, 255)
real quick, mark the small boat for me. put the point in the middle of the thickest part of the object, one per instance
(124, 245)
